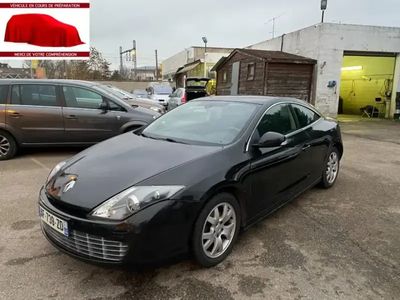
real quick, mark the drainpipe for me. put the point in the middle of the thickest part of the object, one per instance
(282, 40)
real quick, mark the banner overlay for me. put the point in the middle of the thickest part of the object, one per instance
(39, 54)
(44, 5)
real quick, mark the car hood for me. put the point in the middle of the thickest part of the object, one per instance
(110, 167)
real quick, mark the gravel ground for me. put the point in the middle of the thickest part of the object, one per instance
(340, 243)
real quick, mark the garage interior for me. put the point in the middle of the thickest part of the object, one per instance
(366, 85)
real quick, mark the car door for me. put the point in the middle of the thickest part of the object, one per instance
(85, 120)
(317, 143)
(276, 173)
(3, 102)
(35, 114)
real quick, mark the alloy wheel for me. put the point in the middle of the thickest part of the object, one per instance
(4, 146)
(332, 167)
(219, 230)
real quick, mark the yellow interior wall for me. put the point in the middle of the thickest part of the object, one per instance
(359, 88)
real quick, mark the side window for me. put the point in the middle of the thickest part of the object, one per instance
(3, 94)
(304, 115)
(81, 98)
(277, 119)
(115, 107)
(34, 94)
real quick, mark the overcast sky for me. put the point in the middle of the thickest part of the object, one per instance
(172, 25)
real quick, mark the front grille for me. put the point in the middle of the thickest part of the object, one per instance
(88, 245)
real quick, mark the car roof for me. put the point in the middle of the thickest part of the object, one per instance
(48, 81)
(262, 100)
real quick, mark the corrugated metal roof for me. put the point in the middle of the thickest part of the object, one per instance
(188, 67)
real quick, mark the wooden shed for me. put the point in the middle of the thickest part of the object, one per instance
(269, 73)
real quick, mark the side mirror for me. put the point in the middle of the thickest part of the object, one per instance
(104, 106)
(270, 139)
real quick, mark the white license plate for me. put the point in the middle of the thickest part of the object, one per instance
(53, 221)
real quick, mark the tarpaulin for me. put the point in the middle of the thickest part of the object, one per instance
(41, 30)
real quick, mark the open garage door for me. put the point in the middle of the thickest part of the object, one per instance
(366, 84)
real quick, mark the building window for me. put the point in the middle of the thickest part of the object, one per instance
(250, 71)
(225, 76)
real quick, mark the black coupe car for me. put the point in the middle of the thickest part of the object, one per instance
(189, 181)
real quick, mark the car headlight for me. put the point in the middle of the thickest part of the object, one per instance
(55, 170)
(132, 200)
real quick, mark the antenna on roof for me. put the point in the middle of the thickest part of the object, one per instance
(273, 20)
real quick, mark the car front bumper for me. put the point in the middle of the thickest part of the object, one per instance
(154, 234)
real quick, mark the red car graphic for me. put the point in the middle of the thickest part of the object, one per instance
(41, 30)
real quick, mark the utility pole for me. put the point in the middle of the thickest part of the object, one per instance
(121, 65)
(134, 60)
(156, 52)
(131, 54)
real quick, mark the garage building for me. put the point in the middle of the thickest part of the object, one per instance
(358, 66)
(269, 73)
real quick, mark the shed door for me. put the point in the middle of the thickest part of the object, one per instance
(289, 80)
(235, 78)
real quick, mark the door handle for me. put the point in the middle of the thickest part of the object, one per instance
(306, 146)
(72, 117)
(15, 115)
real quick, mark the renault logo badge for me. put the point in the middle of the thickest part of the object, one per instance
(70, 184)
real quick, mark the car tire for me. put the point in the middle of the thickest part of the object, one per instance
(8, 145)
(331, 169)
(213, 241)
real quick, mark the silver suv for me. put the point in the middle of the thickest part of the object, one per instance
(62, 112)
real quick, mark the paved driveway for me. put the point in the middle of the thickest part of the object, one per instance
(341, 243)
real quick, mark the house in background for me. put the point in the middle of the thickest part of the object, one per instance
(191, 63)
(358, 64)
(7, 72)
(268, 73)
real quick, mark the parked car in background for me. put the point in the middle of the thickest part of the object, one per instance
(132, 100)
(62, 112)
(159, 92)
(178, 97)
(190, 181)
(140, 94)
(196, 88)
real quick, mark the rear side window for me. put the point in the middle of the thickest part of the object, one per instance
(277, 119)
(33, 94)
(3, 94)
(304, 115)
(82, 98)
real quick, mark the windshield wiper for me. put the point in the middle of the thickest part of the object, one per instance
(162, 139)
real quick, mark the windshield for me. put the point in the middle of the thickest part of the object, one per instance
(162, 89)
(196, 83)
(116, 92)
(203, 122)
(140, 93)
